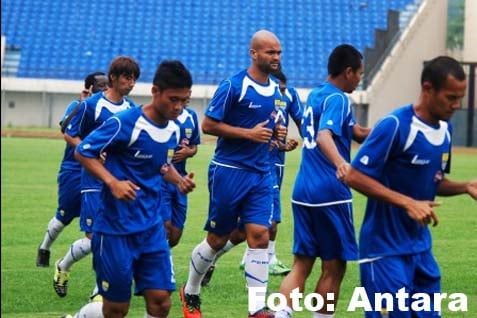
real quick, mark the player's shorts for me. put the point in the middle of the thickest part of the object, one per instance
(143, 257)
(326, 232)
(277, 179)
(235, 193)
(417, 273)
(173, 205)
(91, 203)
(69, 196)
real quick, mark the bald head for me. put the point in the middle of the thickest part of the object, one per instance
(262, 37)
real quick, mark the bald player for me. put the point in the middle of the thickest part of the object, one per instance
(241, 114)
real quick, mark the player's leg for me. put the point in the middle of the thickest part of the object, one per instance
(427, 280)
(178, 218)
(69, 206)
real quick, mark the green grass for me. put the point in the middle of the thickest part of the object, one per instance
(29, 168)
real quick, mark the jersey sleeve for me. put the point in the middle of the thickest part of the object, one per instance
(221, 101)
(378, 146)
(100, 139)
(334, 112)
(195, 139)
(74, 127)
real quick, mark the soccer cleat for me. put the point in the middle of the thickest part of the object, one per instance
(208, 276)
(60, 280)
(278, 268)
(43, 258)
(190, 304)
(262, 313)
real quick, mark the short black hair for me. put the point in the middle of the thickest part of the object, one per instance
(172, 74)
(342, 57)
(436, 71)
(91, 79)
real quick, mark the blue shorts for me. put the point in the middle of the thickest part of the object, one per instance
(277, 179)
(91, 203)
(417, 273)
(326, 232)
(173, 205)
(69, 196)
(143, 257)
(237, 193)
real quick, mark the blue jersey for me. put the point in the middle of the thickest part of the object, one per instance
(408, 156)
(137, 149)
(288, 105)
(92, 112)
(69, 162)
(240, 101)
(189, 135)
(316, 184)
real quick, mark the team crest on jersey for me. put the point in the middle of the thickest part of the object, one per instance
(445, 160)
(280, 103)
(105, 285)
(170, 154)
(188, 132)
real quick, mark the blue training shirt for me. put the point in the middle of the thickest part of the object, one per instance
(408, 156)
(189, 133)
(240, 101)
(69, 162)
(316, 184)
(137, 149)
(288, 105)
(92, 112)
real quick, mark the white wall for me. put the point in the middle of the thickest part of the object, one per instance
(398, 81)
(469, 53)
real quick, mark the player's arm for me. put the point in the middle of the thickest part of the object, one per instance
(360, 133)
(185, 151)
(420, 211)
(327, 145)
(448, 188)
(73, 141)
(122, 190)
(259, 133)
(185, 183)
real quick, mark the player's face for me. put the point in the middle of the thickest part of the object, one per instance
(100, 83)
(123, 84)
(353, 77)
(444, 102)
(268, 56)
(169, 103)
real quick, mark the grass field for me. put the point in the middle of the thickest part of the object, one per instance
(29, 168)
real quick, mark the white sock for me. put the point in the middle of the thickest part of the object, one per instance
(202, 257)
(53, 230)
(244, 257)
(272, 258)
(286, 312)
(227, 247)
(318, 315)
(78, 250)
(256, 272)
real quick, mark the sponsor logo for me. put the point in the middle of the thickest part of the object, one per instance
(417, 161)
(140, 155)
(252, 105)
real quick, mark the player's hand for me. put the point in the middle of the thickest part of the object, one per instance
(183, 153)
(342, 170)
(280, 131)
(187, 183)
(423, 212)
(85, 93)
(260, 133)
(123, 190)
(290, 145)
(472, 189)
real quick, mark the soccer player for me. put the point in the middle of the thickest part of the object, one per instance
(321, 202)
(173, 202)
(401, 167)
(289, 105)
(241, 114)
(129, 238)
(69, 175)
(93, 111)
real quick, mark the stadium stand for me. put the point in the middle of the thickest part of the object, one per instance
(67, 39)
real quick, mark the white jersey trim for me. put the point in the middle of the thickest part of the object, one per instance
(322, 204)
